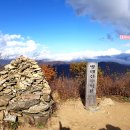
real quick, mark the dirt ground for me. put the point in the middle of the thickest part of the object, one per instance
(71, 115)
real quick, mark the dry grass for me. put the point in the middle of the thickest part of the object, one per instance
(66, 87)
(119, 85)
(107, 85)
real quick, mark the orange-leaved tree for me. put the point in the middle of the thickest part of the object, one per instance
(49, 72)
(79, 70)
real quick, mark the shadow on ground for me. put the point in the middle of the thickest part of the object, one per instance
(110, 127)
(63, 128)
(82, 94)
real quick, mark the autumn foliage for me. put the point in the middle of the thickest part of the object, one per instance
(74, 86)
(49, 72)
(115, 84)
(78, 69)
(66, 87)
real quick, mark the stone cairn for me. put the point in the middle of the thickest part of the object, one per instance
(24, 92)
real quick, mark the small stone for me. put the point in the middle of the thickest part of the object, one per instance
(9, 66)
(3, 81)
(35, 66)
(46, 89)
(45, 98)
(35, 89)
(30, 96)
(37, 69)
(26, 83)
(21, 86)
(37, 108)
(22, 105)
(22, 78)
(38, 93)
(2, 108)
(56, 96)
(1, 87)
(6, 91)
(36, 76)
(4, 101)
(3, 72)
(11, 118)
(1, 115)
(24, 68)
(18, 114)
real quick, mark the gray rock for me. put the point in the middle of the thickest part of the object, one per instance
(3, 81)
(10, 118)
(7, 91)
(3, 72)
(21, 86)
(18, 114)
(35, 67)
(38, 93)
(24, 68)
(37, 108)
(35, 89)
(2, 108)
(9, 66)
(25, 97)
(45, 98)
(23, 89)
(1, 115)
(46, 89)
(4, 100)
(22, 105)
(1, 87)
(41, 114)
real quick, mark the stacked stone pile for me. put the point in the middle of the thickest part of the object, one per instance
(24, 91)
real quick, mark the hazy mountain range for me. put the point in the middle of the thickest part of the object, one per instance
(117, 63)
(123, 58)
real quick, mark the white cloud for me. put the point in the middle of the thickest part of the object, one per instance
(8, 37)
(115, 12)
(127, 51)
(127, 44)
(12, 46)
(84, 54)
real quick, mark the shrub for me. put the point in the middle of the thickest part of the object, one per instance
(66, 87)
(49, 72)
(107, 85)
(115, 84)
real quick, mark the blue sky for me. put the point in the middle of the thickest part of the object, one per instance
(63, 29)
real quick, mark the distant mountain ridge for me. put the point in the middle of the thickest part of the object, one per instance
(116, 64)
(123, 58)
(113, 67)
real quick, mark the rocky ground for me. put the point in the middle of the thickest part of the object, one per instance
(71, 115)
